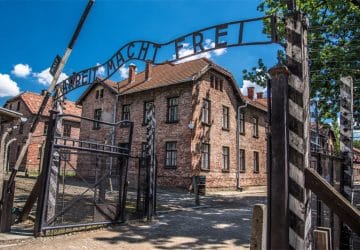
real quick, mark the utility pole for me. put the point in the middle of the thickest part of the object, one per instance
(58, 70)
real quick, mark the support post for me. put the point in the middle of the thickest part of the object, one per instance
(299, 133)
(290, 141)
(278, 234)
(6, 207)
(346, 133)
(151, 125)
(258, 228)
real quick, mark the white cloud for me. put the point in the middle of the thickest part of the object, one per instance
(100, 70)
(187, 50)
(124, 72)
(21, 70)
(7, 86)
(45, 78)
(247, 83)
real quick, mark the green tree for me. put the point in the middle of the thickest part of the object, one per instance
(356, 144)
(333, 45)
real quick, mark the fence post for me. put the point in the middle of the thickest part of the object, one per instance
(346, 126)
(258, 228)
(290, 139)
(278, 235)
(299, 133)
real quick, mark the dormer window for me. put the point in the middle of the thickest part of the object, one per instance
(216, 82)
(99, 93)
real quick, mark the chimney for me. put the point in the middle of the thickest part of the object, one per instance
(260, 95)
(148, 70)
(251, 92)
(132, 73)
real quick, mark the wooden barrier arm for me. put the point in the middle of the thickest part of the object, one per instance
(333, 199)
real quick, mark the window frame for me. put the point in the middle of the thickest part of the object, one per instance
(227, 127)
(255, 130)
(173, 155)
(226, 159)
(171, 108)
(207, 154)
(96, 124)
(242, 123)
(256, 162)
(242, 161)
(124, 112)
(208, 112)
(66, 133)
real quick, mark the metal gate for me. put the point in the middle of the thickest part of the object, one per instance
(84, 179)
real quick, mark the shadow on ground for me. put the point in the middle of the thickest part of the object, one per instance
(224, 223)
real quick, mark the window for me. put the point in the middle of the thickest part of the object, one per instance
(205, 116)
(65, 155)
(170, 160)
(40, 151)
(255, 127)
(242, 160)
(225, 118)
(147, 106)
(46, 127)
(67, 130)
(205, 156)
(173, 109)
(97, 116)
(10, 106)
(242, 123)
(256, 162)
(212, 81)
(18, 106)
(226, 158)
(99, 93)
(221, 85)
(124, 147)
(126, 113)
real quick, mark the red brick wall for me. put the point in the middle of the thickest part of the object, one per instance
(188, 140)
(178, 132)
(214, 134)
(251, 144)
(31, 162)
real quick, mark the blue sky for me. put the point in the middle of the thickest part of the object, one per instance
(33, 32)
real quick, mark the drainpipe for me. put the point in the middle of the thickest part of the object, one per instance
(238, 144)
(6, 160)
(3, 156)
(113, 139)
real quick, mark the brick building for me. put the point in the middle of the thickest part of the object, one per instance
(28, 104)
(204, 125)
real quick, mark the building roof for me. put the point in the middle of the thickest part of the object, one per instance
(8, 115)
(257, 103)
(33, 102)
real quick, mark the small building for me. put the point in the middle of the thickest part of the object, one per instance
(28, 104)
(204, 125)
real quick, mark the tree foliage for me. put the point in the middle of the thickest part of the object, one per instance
(333, 45)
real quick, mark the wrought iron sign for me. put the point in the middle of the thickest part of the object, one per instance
(223, 36)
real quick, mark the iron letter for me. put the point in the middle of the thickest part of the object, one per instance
(143, 50)
(178, 46)
(219, 33)
(197, 43)
(130, 55)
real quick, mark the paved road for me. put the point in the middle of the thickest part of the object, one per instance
(224, 222)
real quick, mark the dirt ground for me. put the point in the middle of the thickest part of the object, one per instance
(223, 221)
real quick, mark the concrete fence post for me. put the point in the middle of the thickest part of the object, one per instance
(258, 228)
